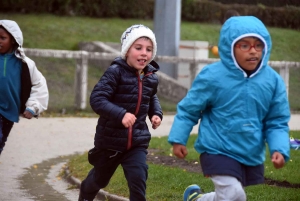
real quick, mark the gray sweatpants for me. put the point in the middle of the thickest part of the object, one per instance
(227, 188)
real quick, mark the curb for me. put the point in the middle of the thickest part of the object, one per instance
(103, 195)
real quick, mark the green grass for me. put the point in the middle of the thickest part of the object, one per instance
(168, 183)
(65, 33)
(56, 32)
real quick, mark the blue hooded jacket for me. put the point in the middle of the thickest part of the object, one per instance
(239, 113)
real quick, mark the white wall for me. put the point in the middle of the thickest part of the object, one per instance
(193, 49)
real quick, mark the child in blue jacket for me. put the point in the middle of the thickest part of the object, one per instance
(242, 103)
(23, 88)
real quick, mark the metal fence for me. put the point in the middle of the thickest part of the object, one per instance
(82, 61)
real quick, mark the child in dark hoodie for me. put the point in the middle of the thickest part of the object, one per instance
(124, 97)
(23, 88)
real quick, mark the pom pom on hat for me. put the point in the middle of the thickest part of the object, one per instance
(132, 34)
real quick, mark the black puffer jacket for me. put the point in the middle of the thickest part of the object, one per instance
(121, 90)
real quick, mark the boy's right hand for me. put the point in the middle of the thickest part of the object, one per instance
(278, 160)
(179, 150)
(128, 119)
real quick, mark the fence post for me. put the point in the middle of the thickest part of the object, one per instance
(285, 73)
(193, 71)
(81, 81)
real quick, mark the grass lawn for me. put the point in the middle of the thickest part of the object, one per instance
(167, 183)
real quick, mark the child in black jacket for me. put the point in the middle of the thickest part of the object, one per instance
(124, 97)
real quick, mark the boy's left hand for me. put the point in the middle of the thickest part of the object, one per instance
(27, 114)
(155, 120)
(278, 160)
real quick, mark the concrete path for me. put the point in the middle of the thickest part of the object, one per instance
(35, 147)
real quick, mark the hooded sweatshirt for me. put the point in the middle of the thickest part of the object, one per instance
(28, 88)
(10, 87)
(239, 113)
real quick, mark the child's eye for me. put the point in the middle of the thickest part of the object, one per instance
(259, 45)
(244, 46)
(149, 50)
(138, 48)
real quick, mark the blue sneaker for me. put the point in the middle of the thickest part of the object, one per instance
(192, 193)
(294, 143)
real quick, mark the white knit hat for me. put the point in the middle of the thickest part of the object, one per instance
(132, 34)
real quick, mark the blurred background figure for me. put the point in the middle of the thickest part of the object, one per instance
(227, 15)
(230, 13)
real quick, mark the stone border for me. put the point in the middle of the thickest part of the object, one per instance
(101, 194)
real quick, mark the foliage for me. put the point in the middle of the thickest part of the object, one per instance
(93, 8)
(211, 11)
(271, 3)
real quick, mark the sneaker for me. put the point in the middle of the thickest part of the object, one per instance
(192, 193)
(81, 198)
(294, 143)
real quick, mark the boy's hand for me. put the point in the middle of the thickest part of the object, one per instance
(27, 114)
(128, 119)
(179, 150)
(155, 120)
(278, 160)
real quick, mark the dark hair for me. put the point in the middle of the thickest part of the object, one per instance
(229, 14)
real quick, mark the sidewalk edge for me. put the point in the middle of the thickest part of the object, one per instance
(101, 194)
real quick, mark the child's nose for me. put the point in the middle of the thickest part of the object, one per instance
(144, 51)
(252, 49)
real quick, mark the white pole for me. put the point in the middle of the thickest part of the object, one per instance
(81, 81)
(285, 74)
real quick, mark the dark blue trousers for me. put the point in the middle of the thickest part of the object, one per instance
(105, 163)
(216, 164)
(5, 128)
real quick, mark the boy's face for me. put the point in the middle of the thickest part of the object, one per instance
(248, 52)
(6, 42)
(140, 53)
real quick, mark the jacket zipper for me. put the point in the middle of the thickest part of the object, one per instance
(140, 82)
(4, 68)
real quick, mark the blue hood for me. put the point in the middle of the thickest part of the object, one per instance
(236, 28)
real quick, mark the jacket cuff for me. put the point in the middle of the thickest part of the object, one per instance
(30, 110)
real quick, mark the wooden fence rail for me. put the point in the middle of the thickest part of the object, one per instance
(82, 58)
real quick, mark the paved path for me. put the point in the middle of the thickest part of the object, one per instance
(33, 145)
